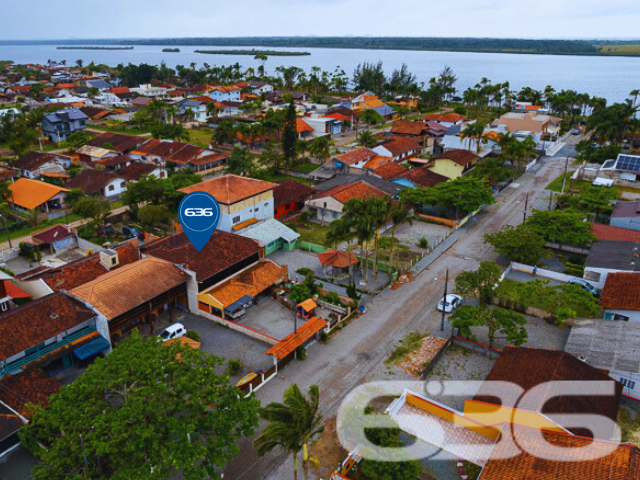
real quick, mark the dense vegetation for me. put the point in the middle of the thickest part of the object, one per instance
(271, 53)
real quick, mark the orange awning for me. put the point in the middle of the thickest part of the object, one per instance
(292, 341)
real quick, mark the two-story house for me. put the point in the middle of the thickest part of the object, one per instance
(38, 164)
(222, 94)
(57, 126)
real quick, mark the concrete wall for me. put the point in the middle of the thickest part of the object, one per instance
(448, 168)
(35, 288)
(250, 332)
(560, 277)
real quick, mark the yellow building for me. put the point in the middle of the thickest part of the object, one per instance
(453, 163)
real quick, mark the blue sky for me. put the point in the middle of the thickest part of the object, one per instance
(59, 19)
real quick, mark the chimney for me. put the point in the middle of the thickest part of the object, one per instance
(109, 259)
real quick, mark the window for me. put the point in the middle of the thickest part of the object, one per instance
(235, 219)
(622, 318)
(257, 208)
(335, 214)
(593, 276)
(4, 306)
(630, 384)
(123, 184)
(111, 187)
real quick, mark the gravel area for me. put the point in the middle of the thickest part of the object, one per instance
(410, 234)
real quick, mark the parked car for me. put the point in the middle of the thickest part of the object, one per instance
(586, 286)
(576, 131)
(107, 230)
(450, 303)
(130, 231)
(173, 331)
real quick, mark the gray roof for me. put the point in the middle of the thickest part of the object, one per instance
(98, 84)
(191, 103)
(606, 344)
(384, 110)
(269, 231)
(614, 255)
(66, 115)
(386, 186)
(626, 210)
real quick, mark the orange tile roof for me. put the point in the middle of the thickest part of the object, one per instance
(294, 340)
(124, 288)
(373, 101)
(337, 258)
(518, 461)
(356, 156)
(621, 291)
(377, 161)
(252, 281)
(447, 117)
(390, 170)
(116, 90)
(230, 189)
(308, 305)
(30, 194)
(458, 155)
(344, 193)
(495, 136)
(302, 126)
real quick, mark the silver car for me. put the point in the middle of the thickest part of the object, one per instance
(450, 303)
(586, 286)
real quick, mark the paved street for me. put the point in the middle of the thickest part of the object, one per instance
(353, 355)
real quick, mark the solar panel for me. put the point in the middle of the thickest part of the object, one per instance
(629, 163)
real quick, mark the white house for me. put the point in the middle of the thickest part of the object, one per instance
(98, 182)
(607, 257)
(198, 108)
(611, 347)
(620, 297)
(258, 88)
(221, 94)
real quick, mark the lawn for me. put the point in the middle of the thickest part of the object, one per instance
(121, 129)
(307, 167)
(23, 232)
(311, 232)
(202, 138)
(556, 185)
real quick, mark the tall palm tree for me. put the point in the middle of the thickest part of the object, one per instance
(339, 231)
(473, 132)
(367, 139)
(292, 424)
(399, 214)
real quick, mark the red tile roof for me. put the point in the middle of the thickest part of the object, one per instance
(113, 161)
(290, 191)
(8, 289)
(217, 157)
(460, 156)
(337, 258)
(32, 323)
(530, 367)
(423, 177)
(356, 156)
(91, 181)
(292, 341)
(344, 193)
(135, 170)
(403, 127)
(621, 291)
(186, 154)
(120, 142)
(447, 117)
(390, 170)
(82, 270)
(401, 146)
(57, 232)
(119, 90)
(302, 126)
(377, 161)
(230, 189)
(33, 160)
(33, 387)
(570, 460)
(222, 251)
(607, 232)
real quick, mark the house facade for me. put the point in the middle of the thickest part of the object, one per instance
(453, 163)
(228, 94)
(607, 257)
(58, 125)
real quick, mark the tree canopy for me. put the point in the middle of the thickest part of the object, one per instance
(143, 412)
(498, 321)
(521, 244)
(560, 226)
(480, 284)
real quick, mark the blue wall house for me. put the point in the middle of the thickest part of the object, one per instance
(57, 126)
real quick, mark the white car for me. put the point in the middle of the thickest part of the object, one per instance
(173, 331)
(452, 302)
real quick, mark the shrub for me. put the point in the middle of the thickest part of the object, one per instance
(301, 353)
(7, 271)
(193, 335)
(423, 243)
(324, 337)
(233, 366)
(304, 271)
(460, 110)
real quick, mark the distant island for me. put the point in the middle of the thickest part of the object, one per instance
(592, 47)
(171, 50)
(268, 53)
(69, 47)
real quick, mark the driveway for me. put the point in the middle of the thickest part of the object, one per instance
(227, 343)
(270, 317)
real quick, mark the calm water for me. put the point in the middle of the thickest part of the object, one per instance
(609, 77)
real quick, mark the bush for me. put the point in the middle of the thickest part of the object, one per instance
(423, 243)
(7, 271)
(301, 353)
(233, 366)
(460, 110)
(193, 335)
(324, 337)
(304, 271)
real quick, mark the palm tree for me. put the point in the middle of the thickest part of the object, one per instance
(172, 112)
(321, 147)
(367, 138)
(292, 424)
(474, 131)
(398, 214)
(339, 231)
(213, 111)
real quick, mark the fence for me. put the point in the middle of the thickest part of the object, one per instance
(434, 361)
(541, 272)
(332, 307)
(439, 220)
(311, 247)
(9, 254)
(476, 347)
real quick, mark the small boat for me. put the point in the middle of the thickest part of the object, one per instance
(247, 378)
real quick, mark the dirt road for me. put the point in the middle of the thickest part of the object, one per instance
(353, 355)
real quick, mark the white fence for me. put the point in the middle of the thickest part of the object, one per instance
(541, 272)
(9, 254)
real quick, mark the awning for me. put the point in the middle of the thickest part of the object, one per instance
(269, 231)
(292, 341)
(239, 303)
(92, 348)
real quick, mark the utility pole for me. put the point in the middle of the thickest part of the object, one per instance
(564, 177)
(550, 200)
(444, 300)
(526, 204)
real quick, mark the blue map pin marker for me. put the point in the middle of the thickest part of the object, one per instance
(199, 215)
